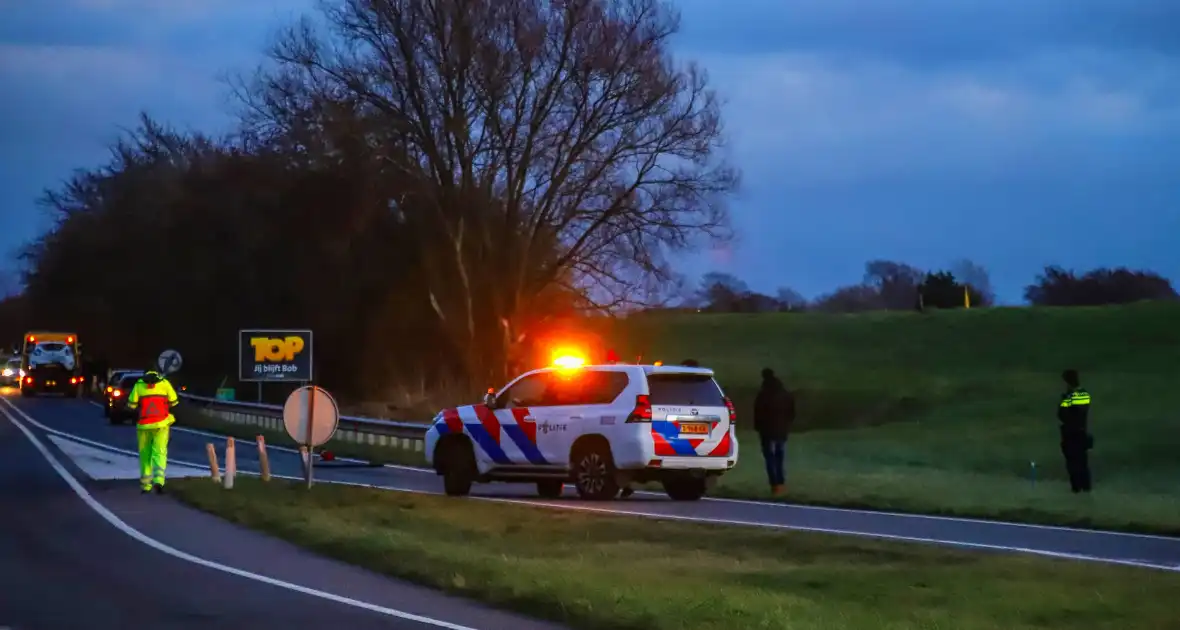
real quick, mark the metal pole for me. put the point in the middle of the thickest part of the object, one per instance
(310, 426)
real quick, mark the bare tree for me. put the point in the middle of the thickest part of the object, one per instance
(897, 283)
(721, 291)
(544, 142)
(791, 300)
(9, 283)
(854, 298)
(976, 277)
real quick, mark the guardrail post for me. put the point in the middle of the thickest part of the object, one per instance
(213, 469)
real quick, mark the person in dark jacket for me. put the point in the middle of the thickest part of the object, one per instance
(774, 413)
(1073, 412)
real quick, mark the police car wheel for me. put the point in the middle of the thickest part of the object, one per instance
(550, 488)
(594, 475)
(456, 484)
(686, 489)
(458, 468)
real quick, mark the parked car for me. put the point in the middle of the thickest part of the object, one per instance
(601, 427)
(11, 374)
(116, 408)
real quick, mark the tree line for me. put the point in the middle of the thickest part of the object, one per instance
(891, 285)
(425, 185)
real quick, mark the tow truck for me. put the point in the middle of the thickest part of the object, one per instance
(51, 363)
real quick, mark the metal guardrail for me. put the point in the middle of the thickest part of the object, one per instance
(355, 429)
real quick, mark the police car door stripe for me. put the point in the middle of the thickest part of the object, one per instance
(489, 421)
(528, 428)
(515, 455)
(524, 435)
(481, 437)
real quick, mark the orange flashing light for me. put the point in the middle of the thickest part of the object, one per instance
(69, 339)
(569, 362)
(658, 363)
(568, 358)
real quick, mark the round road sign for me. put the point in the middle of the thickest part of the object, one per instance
(170, 361)
(295, 416)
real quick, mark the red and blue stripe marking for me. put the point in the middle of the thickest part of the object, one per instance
(668, 442)
(486, 433)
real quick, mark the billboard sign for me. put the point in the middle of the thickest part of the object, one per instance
(274, 355)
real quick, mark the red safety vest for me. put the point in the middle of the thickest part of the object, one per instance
(153, 408)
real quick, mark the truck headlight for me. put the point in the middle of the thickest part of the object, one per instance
(7, 372)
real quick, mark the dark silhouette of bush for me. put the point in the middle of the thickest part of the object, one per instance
(1059, 287)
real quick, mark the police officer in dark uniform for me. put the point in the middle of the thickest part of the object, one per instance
(1073, 413)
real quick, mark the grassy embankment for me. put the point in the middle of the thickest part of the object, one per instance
(944, 412)
(600, 572)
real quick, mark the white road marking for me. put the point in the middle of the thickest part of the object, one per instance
(781, 526)
(122, 526)
(103, 464)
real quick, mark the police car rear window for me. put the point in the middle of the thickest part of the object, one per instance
(684, 389)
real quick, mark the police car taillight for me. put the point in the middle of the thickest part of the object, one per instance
(642, 410)
(732, 411)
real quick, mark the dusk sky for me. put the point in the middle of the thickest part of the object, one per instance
(1017, 133)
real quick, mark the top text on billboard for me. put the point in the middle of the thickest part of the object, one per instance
(274, 355)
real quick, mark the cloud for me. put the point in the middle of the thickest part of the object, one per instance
(824, 121)
(924, 130)
(931, 32)
(878, 129)
(74, 72)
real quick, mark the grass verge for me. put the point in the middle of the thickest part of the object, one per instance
(194, 419)
(598, 572)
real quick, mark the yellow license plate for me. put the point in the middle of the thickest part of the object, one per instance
(698, 428)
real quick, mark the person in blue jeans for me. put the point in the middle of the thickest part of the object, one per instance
(774, 413)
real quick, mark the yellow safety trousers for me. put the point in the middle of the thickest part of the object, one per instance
(153, 452)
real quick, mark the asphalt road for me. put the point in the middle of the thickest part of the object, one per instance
(150, 562)
(84, 420)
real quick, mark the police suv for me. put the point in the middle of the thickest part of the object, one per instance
(602, 427)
